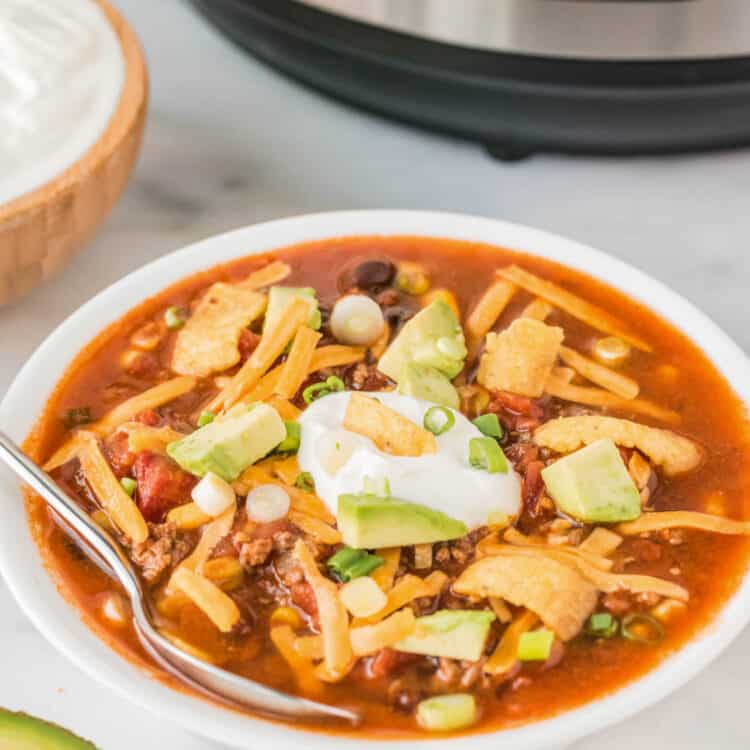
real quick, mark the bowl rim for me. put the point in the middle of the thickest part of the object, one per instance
(60, 622)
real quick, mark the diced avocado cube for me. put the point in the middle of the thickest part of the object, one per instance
(280, 296)
(428, 383)
(433, 337)
(23, 732)
(593, 485)
(368, 522)
(446, 713)
(535, 645)
(231, 443)
(453, 633)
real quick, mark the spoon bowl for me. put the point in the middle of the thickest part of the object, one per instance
(107, 554)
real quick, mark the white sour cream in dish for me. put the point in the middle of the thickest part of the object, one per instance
(61, 77)
(339, 460)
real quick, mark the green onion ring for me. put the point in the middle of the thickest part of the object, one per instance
(630, 627)
(438, 419)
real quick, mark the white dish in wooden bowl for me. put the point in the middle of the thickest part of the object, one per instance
(69, 141)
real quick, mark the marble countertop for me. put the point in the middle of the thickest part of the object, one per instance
(230, 142)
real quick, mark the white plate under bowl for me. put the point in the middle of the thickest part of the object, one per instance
(25, 575)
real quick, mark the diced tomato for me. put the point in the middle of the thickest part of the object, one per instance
(532, 486)
(304, 597)
(118, 454)
(528, 407)
(148, 417)
(247, 343)
(388, 661)
(162, 485)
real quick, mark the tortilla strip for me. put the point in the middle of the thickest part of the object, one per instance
(285, 640)
(297, 365)
(120, 508)
(212, 534)
(218, 606)
(674, 453)
(683, 519)
(520, 358)
(390, 431)
(487, 310)
(271, 346)
(501, 609)
(327, 356)
(334, 620)
(124, 412)
(188, 516)
(317, 529)
(566, 374)
(385, 574)
(209, 340)
(505, 655)
(369, 639)
(287, 469)
(513, 536)
(599, 397)
(152, 398)
(601, 542)
(66, 452)
(142, 437)
(558, 593)
(602, 376)
(286, 409)
(538, 309)
(408, 588)
(603, 581)
(572, 304)
(381, 342)
(273, 273)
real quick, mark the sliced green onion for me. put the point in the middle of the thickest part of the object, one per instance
(77, 417)
(485, 453)
(205, 418)
(305, 481)
(642, 628)
(602, 625)
(315, 391)
(174, 317)
(379, 487)
(128, 485)
(438, 419)
(290, 444)
(536, 645)
(489, 425)
(349, 563)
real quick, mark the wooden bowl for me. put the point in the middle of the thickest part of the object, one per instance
(40, 231)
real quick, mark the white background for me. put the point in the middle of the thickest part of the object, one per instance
(230, 142)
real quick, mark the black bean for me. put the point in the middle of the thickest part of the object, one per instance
(373, 273)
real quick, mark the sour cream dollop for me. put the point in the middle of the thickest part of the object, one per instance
(339, 460)
(61, 76)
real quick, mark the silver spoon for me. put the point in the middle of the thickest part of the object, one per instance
(101, 546)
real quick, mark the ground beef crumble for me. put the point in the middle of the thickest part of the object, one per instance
(165, 547)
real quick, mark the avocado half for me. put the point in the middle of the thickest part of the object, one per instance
(19, 731)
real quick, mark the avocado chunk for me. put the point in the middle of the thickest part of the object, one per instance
(446, 713)
(368, 522)
(280, 296)
(23, 732)
(231, 443)
(433, 337)
(453, 633)
(423, 381)
(593, 485)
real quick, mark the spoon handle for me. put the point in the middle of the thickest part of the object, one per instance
(73, 516)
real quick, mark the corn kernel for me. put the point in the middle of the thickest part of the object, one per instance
(286, 616)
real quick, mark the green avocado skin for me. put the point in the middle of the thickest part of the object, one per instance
(19, 731)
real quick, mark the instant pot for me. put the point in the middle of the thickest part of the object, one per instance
(520, 75)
